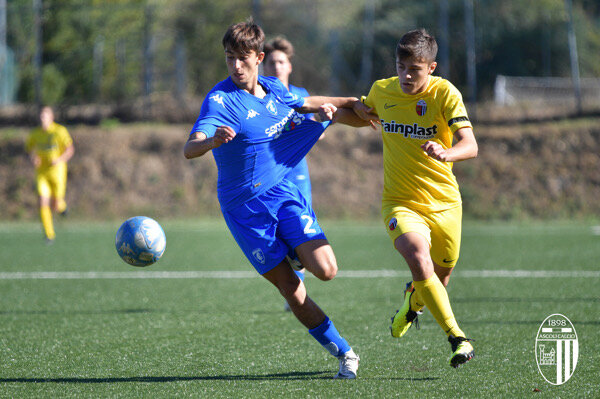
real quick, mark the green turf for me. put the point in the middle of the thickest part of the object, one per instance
(231, 339)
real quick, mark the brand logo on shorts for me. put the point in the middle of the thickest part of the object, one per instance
(556, 349)
(393, 223)
(421, 107)
(259, 255)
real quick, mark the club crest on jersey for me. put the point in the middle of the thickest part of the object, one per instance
(271, 107)
(421, 107)
(259, 255)
(393, 224)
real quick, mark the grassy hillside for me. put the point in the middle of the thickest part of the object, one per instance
(532, 170)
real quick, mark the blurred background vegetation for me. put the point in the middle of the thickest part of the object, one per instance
(68, 52)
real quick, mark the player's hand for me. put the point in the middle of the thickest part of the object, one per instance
(435, 150)
(366, 113)
(223, 135)
(326, 111)
(36, 161)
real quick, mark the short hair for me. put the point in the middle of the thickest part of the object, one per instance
(418, 44)
(244, 37)
(279, 43)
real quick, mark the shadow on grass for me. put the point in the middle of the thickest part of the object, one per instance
(310, 375)
(248, 377)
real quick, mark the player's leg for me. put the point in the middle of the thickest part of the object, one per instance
(415, 249)
(298, 227)
(58, 185)
(400, 220)
(294, 292)
(318, 258)
(313, 318)
(256, 231)
(44, 192)
(445, 250)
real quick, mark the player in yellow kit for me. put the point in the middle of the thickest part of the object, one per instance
(50, 147)
(420, 115)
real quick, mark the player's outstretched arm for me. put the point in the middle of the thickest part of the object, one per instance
(366, 114)
(464, 148)
(198, 144)
(312, 103)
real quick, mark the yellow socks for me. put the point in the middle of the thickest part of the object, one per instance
(61, 205)
(434, 296)
(46, 216)
(416, 302)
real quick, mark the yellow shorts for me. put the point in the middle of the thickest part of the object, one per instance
(442, 229)
(52, 182)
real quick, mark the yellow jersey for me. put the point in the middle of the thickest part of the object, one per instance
(48, 145)
(411, 177)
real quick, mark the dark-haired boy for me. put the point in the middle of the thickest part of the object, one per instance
(256, 136)
(420, 114)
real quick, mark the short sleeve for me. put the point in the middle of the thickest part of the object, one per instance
(215, 112)
(369, 100)
(454, 109)
(64, 138)
(292, 100)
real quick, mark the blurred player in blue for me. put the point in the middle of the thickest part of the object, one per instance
(252, 125)
(278, 62)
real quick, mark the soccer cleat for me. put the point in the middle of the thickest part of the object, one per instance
(405, 317)
(64, 213)
(462, 350)
(348, 366)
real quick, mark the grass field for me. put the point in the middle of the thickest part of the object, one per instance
(217, 335)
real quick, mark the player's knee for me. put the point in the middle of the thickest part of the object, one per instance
(418, 259)
(326, 270)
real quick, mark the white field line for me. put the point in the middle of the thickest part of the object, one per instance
(143, 274)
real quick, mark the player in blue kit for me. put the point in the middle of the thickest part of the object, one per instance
(278, 62)
(252, 125)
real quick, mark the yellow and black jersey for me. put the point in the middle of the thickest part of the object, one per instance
(411, 177)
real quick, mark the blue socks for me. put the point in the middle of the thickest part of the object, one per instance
(327, 335)
(300, 274)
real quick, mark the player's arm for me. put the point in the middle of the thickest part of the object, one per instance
(35, 158)
(66, 155)
(464, 148)
(312, 103)
(329, 112)
(199, 144)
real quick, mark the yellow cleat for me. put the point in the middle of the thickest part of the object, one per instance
(462, 350)
(405, 317)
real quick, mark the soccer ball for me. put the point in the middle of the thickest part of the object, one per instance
(140, 241)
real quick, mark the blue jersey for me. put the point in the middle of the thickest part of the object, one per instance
(299, 175)
(271, 137)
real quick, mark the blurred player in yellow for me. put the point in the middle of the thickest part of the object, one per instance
(50, 147)
(420, 115)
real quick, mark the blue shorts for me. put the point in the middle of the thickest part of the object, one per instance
(269, 227)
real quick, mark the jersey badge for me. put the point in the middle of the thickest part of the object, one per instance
(421, 107)
(259, 255)
(271, 107)
(393, 223)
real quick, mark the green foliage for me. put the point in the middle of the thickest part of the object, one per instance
(135, 40)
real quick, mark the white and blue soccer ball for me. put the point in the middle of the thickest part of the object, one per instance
(140, 241)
